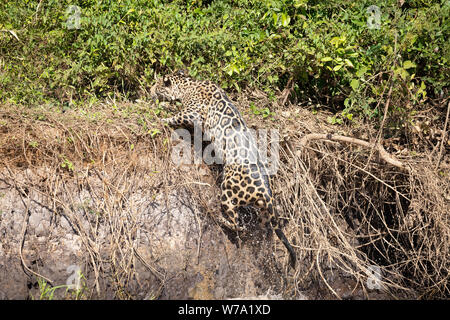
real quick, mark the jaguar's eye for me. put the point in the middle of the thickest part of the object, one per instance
(167, 82)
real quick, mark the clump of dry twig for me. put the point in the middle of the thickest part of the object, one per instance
(350, 212)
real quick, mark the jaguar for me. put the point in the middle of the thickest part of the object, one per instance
(246, 180)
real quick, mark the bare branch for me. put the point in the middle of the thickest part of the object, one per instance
(378, 147)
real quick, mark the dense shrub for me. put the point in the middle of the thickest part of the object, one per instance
(324, 51)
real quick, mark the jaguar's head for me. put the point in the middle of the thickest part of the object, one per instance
(170, 87)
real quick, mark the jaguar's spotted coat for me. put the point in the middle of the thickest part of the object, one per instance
(245, 179)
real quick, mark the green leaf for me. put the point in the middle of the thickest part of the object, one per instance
(423, 86)
(354, 84)
(408, 64)
(361, 71)
(338, 67)
(401, 72)
(285, 19)
(349, 63)
(275, 18)
(349, 116)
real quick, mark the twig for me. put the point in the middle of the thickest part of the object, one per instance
(378, 147)
(386, 110)
(287, 90)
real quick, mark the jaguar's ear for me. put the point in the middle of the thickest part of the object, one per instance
(182, 72)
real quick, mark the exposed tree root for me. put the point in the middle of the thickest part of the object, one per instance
(378, 147)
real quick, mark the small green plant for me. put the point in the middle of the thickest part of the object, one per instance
(334, 119)
(33, 144)
(46, 291)
(264, 112)
(154, 132)
(67, 164)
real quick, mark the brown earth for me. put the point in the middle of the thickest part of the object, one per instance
(152, 249)
(96, 190)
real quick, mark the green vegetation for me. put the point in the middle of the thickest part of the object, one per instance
(47, 291)
(325, 51)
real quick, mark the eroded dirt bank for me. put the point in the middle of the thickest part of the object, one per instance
(97, 192)
(143, 247)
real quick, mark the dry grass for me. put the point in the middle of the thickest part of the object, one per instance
(346, 210)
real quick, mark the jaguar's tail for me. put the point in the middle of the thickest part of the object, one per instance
(276, 227)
